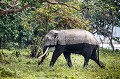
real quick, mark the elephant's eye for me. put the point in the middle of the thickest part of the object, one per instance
(47, 39)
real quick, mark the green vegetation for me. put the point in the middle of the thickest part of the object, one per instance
(25, 67)
(24, 23)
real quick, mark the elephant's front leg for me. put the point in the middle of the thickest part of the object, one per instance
(58, 51)
(44, 49)
(68, 59)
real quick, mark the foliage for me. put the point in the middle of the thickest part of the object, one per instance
(103, 15)
(117, 39)
(48, 17)
(28, 27)
(8, 29)
(20, 29)
(55, 17)
(12, 32)
(23, 67)
(7, 72)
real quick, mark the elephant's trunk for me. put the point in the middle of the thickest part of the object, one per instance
(45, 49)
(44, 52)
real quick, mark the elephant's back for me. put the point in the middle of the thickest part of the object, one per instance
(76, 36)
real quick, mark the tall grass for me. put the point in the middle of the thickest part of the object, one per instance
(24, 67)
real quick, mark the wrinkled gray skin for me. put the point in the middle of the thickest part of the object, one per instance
(72, 41)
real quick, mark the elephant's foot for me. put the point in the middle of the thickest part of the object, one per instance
(70, 64)
(85, 65)
(40, 62)
(51, 64)
(102, 65)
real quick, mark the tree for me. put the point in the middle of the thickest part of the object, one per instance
(104, 15)
(53, 16)
(34, 18)
(13, 7)
(8, 32)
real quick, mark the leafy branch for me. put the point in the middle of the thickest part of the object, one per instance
(61, 3)
(10, 11)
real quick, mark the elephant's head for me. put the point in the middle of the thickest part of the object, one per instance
(50, 41)
(51, 38)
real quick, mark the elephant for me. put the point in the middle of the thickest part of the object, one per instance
(77, 41)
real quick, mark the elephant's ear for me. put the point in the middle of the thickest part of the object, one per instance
(56, 38)
(56, 35)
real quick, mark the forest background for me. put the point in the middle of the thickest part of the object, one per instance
(24, 23)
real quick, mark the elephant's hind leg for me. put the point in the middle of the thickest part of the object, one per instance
(58, 51)
(68, 59)
(94, 58)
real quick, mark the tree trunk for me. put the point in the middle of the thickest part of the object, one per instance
(0, 43)
(111, 43)
(46, 23)
(35, 48)
(35, 51)
(46, 18)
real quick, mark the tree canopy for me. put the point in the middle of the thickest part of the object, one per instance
(24, 20)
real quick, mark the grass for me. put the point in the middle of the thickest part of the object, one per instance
(24, 67)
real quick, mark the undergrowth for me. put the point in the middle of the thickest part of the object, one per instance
(25, 67)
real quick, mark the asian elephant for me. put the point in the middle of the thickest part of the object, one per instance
(76, 41)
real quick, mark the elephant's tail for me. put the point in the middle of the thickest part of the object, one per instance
(98, 51)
